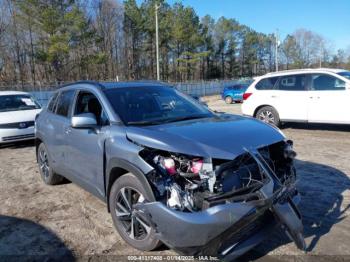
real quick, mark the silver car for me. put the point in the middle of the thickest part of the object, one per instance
(170, 170)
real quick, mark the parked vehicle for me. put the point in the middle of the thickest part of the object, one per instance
(168, 168)
(307, 95)
(234, 94)
(17, 114)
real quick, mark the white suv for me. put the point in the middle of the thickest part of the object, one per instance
(305, 95)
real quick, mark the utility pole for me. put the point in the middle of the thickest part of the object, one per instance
(276, 50)
(157, 41)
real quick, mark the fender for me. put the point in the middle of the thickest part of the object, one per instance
(130, 167)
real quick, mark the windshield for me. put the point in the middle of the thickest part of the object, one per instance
(345, 74)
(154, 105)
(17, 102)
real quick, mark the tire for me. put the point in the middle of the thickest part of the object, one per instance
(143, 235)
(268, 115)
(46, 172)
(228, 100)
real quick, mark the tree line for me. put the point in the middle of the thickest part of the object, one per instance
(53, 41)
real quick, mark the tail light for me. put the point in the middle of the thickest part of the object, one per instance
(246, 96)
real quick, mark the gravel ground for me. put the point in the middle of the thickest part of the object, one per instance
(65, 222)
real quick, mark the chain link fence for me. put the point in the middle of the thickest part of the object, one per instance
(198, 88)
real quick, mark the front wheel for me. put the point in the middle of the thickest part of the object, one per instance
(268, 115)
(125, 193)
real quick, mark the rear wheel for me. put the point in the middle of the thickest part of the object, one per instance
(46, 172)
(268, 115)
(228, 100)
(125, 193)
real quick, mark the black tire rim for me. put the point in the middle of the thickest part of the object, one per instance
(267, 116)
(134, 227)
(44, 163)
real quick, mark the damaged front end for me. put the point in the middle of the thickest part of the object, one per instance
(222, 208)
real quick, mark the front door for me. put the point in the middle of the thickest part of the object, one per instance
(85, 154)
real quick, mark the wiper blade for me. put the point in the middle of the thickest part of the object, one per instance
(177, 119)
(144, 123)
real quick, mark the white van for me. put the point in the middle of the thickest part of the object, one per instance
(305, 95)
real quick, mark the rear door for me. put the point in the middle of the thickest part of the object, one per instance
(291, 99)
(56, 123)
(328, 99)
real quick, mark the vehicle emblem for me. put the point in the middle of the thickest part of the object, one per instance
(22, 125)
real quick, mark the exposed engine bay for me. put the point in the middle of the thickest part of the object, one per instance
(190, 183)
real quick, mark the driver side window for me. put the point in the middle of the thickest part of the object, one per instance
(88, 103)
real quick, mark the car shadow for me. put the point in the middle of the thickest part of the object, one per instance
(314, 126)
(25, 240)
(321, 206)
(19, 144)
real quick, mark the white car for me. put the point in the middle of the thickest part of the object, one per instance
(305, 95)
(17, 116)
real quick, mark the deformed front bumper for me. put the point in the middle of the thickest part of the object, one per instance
(226, 231)
(231, 229)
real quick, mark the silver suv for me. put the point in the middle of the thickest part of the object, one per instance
(170, 170)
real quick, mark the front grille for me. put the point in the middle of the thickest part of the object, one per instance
(18, 125)
(13, 138)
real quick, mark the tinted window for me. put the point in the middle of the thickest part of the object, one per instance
(64, 101)
(292, 83)
(88, 103)
(154, 105)
(51, 105)
(326, 82)
(266, 84)
(345, 74)
(17, 102)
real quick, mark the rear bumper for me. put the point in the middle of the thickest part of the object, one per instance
(8, 135)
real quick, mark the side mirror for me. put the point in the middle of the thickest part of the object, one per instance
(86, 120)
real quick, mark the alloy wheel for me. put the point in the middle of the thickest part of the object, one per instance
(133, 225)
(44, 163)
(267, 117)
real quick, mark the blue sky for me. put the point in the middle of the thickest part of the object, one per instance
(330, 18)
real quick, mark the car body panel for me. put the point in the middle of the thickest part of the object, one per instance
(204, 137)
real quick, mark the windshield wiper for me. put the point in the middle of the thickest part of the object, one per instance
(177, 119)
(144, 123)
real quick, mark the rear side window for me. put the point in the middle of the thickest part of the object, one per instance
(292, 83)
(52, 104)
(266, 83)
(64, 101)
(322, 82)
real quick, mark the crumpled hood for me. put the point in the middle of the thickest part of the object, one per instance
(224, 137)
(18, 116)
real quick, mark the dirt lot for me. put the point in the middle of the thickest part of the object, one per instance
(67, 222)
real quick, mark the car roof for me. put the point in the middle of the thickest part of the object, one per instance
(7, 93)
(306, 70)
(110, 85)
